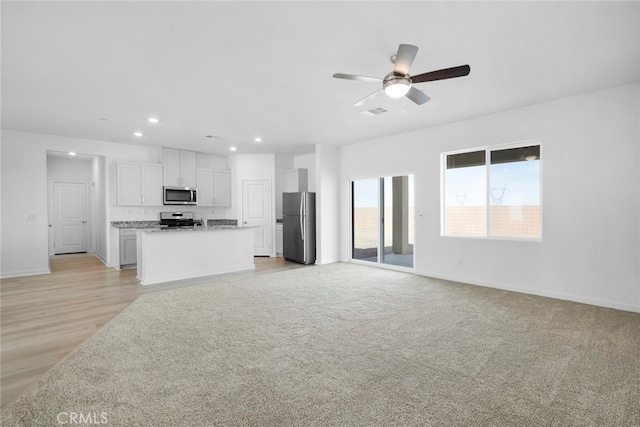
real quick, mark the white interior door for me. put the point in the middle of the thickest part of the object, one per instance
(69, 217)
(256, 212)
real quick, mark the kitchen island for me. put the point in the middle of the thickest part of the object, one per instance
(166, 255)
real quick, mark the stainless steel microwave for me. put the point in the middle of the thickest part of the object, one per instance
(180, 196)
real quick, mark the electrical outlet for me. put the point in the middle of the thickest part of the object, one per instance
(460, 262)
(31, 217)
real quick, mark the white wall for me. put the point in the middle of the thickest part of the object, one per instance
(327, 178)
(24, 191)
(253, 167)
(24, 248)
(283, 163)
(591, 197)
(308, 162)
(24, 172)
(99, 178)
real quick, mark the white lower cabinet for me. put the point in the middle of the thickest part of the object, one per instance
(279, 245)
(128, 248)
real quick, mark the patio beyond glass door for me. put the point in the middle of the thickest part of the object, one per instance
(397, 217)
(365, 216)
(382, 220)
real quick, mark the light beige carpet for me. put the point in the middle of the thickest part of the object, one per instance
(347, 345)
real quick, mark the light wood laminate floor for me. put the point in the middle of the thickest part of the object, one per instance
(46, 317)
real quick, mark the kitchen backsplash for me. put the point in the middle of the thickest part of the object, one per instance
(152, 213)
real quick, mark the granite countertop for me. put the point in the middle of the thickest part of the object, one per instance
(198, 228)
(135, 224)
(144, 225)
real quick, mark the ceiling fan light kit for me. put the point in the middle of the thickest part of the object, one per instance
(396, 86)
(399, 83)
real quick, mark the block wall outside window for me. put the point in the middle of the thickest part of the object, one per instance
(493, 192)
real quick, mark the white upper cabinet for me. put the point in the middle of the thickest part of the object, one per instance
(151, 184)
(188, 168)
(138, 184)
(214, 187)
(221, 188)
(204, 181)
(127, 184)
(171, 167)
(295, 180)
(179, 168)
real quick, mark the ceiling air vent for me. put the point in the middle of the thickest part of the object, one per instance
(374, 112)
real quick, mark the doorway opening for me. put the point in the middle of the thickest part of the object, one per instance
(77, 208)
(256, 213)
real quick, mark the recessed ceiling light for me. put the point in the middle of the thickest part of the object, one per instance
(153, 120)
(138, 134)
(71, 153)
(257, 139)
(232, 148)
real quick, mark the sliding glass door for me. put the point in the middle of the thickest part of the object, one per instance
(382, 220)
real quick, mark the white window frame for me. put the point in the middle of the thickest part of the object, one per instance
(488, 149)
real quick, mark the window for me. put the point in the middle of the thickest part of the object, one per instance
(493, 192)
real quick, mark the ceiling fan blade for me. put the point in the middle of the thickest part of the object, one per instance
(404, 58)
(358, 78)
(417, 96)
(367, 98)
(446, 73)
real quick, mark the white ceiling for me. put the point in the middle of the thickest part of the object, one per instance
(236, 70)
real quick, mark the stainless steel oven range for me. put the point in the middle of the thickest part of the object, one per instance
(178, 220)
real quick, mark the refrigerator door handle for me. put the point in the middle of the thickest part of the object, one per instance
(302, 213)
(301, 204)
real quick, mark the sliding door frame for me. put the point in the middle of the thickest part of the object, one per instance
(381, 218)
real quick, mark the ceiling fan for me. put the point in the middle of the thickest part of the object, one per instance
(399, 83)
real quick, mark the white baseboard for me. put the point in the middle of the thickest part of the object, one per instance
(538, 292)
(6, 275)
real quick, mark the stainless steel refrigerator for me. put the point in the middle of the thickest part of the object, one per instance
(299, 227)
